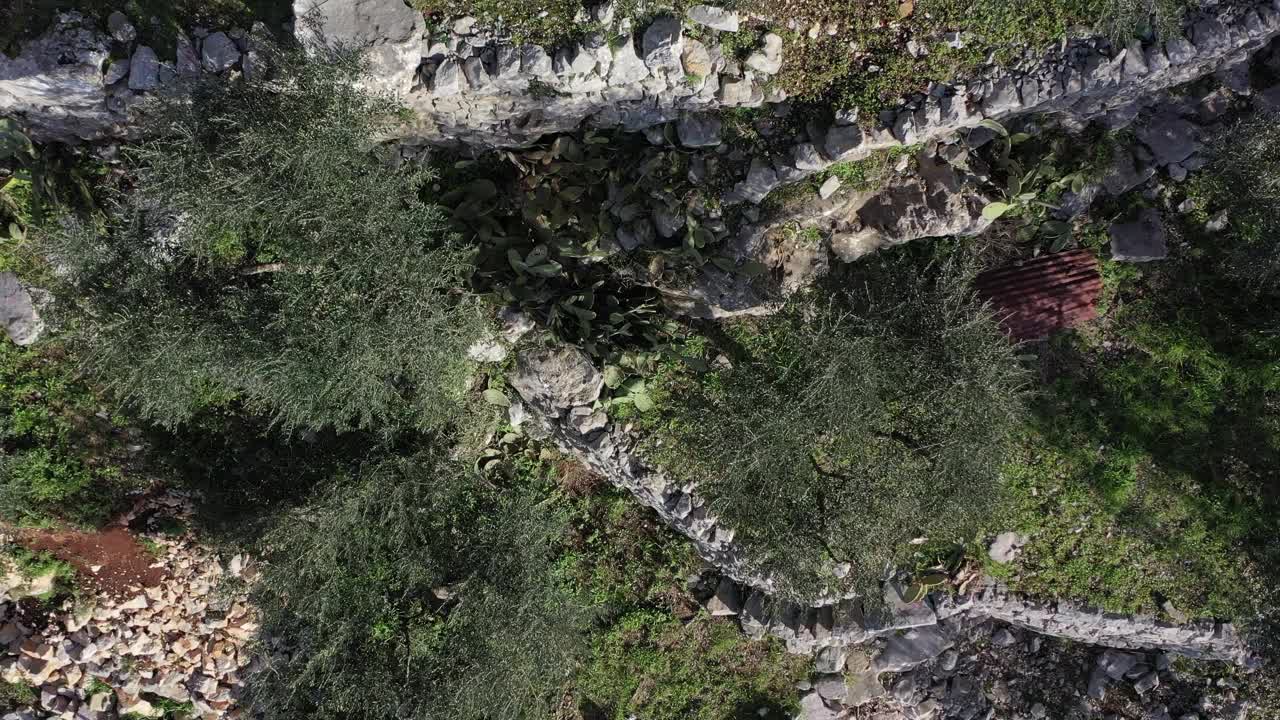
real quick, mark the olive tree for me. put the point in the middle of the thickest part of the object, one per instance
(853, 422)
(265, 253)
(408, 589)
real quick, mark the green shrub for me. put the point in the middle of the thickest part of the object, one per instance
(58, 458)
(652, 665)
(267, 255)
(411, 590)
(850, 426)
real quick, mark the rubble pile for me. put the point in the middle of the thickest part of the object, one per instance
(180, 644)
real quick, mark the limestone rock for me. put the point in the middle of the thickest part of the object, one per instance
(696, 59)
(743, 92)
(761, 179)
(829, 187)
(628, 67)
(144, 70)
(714, 17)
(1142, 240)
(17, 311)
(662, 43)
(768, 59)
(55, 85)
(390, 30)
(812, 707)
(1006, 547)
(1171, 139)
(936, 202)
(562, 377)
(913, 648)
(120, 28)
(726, 601)
(116, 71)
(219, 53)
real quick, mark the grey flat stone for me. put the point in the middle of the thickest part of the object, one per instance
(913, 648)
(1142, 240)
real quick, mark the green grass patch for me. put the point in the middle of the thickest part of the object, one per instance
(33, 565)
(652, 665)
(61, 460)
(1151, 470)
(17, 696)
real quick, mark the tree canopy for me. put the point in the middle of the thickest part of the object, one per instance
(849, 425)
(268, 254)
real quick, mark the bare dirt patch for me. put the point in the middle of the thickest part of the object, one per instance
(110, 561)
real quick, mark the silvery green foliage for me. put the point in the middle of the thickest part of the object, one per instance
(406, 589)
(267, 256)
(848, 427)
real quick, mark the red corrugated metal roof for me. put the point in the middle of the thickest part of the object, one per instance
(1038, 296)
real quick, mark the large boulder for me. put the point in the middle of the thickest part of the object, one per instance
(390, 30)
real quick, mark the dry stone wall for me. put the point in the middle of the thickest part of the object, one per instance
(558, 387)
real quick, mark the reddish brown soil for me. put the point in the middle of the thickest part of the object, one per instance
(123, 565)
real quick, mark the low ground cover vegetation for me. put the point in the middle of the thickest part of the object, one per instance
(1149, 474)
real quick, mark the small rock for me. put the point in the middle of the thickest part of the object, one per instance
(1147, 683)
(948, 660)
(116, 72)
(830, 659)
(910, 649)
(144, 69)
(219, 53)
(18, 312)
(662, 43)
(829, 187)
(726, 601)
(1003, 638)
(761, 180)
(812, 707)
(714, 17)
(1218, 222)
(831, 687)
(698, 129)
(696, 60)
(1171, 139)
(120, 28)
(1007, 546)
(1097, 685)
(1174, 613)
(768, 59)
(1140, 241)
(1115, 663)
(464, 25)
